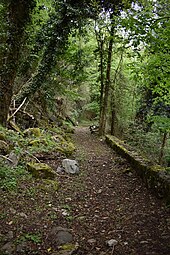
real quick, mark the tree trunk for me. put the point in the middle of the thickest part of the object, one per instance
(113, 116)
(18, 13)
(100, 42)
(101, 70)
(165, 137)
(106, 89)
(55, 47)
(113, 103)
(102, 85)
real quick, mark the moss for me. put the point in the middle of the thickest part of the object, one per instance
(157, 168)
(63, 146)
(36, 142)
(68, 247)
(2, 136)
(4, 148)
(59, 138)
(49, 185)
(41, 170)
(154, 176)
(32, 131)
(71, 147)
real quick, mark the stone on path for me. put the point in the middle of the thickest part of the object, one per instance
(8, 248)
(70, 166)
(111, 242)
(61, 235)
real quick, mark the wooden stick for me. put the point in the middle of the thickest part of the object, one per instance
(10, 117)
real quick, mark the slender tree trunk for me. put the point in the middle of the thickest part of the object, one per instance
(101, 71)
(165, 137)
(102, 85)
(18, 13)
(106, 89)
(100, 42)
(113, 104)
(113, 116)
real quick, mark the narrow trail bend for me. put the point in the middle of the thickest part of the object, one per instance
(109, 201)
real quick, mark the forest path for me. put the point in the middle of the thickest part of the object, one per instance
(105, 201)
(110, 202)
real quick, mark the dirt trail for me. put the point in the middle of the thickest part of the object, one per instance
(106, 201)
(111, 202)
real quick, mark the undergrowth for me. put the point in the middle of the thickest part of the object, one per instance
(149, 144)
(10, 177)
(26, 147)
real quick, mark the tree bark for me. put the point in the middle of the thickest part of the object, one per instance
(100, 42)
(106, 89)
(165, 136)
(112, 103)
(18, 13)
(101, 71)
(113, 116)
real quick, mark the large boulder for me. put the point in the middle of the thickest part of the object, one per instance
(41, 170)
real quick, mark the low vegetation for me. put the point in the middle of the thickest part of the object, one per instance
(25, 148)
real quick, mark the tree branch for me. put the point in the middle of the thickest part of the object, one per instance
(10, 117)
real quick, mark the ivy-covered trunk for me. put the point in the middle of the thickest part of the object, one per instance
(17, 15)
(65, 19)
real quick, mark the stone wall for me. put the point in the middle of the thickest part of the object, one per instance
(155, 177)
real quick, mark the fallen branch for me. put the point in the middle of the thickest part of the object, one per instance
(10, 117)
(33, 156)
(4, 157)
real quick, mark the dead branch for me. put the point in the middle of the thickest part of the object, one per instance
(10, 117)
(4, 157)
(27, 152)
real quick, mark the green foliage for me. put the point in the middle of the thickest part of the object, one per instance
(92, 107)
(61, 53)
(25, 147)
(59, 28)
(9, 177)
(162, 123)
(35, 238)
(148, 28)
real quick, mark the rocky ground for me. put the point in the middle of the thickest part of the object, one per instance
(104, 210)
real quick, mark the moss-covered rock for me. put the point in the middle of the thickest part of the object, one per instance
(63, 146)
(59, 138)
(4, 148)
(41, 170)
(32, 132)
(36, 142)
(2, 136)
